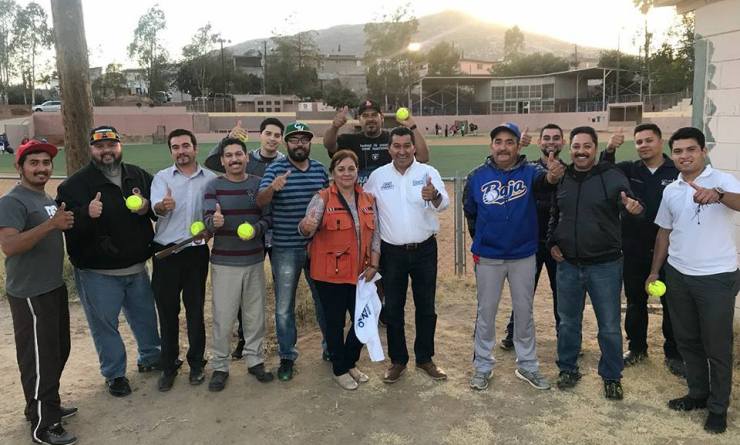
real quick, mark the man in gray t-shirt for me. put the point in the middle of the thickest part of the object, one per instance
(31, 228)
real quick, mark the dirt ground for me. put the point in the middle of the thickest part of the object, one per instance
(313, 409)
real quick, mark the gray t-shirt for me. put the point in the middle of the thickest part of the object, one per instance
(38, 270)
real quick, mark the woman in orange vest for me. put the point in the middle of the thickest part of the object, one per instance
(342, 220)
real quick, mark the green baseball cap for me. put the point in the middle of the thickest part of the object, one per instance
(297, 127)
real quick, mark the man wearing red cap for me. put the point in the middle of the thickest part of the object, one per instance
(31, 228)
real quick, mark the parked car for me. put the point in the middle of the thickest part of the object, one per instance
(49, 105)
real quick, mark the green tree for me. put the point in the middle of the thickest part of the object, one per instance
(196, 60)
(148, 50)
(111, 84)
(8, 12)
(672, 65)
(32, 34)
(629, 76)
(443, 60)
(531, 64)
(513, 43)
(292, 66)
(337, 95)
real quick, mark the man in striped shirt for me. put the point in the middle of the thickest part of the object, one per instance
(237, 262)
(288, 185)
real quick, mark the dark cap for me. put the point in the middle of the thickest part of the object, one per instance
(368, 104)
(104, 133)
(35, 146)
(510, 127)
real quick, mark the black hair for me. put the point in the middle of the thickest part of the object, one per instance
(552, 127)
(181, 132)
(225, 142)
(402, 131)
(584, 130)
(688, 133)
(652, 127)
(272, 121)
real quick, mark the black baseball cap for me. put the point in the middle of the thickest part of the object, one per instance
(368, 104)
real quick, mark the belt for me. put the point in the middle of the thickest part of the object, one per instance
(413, 246)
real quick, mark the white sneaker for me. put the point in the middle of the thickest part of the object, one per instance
(346, 381)
(358, 376)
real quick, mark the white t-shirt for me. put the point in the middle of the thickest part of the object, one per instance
(702, 239)
(404, 216)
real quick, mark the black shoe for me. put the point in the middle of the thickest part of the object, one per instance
(507, 344)
(64, 412)
(613, 390)
(285, 371)
(54, 435)
(325, 356)
(676, 366)
(166, 381)
(197, 376)
(634, 357)
(119, 387)
(157, 366)
(260, 372)
(687, 403)
(239, 350)
(218, 381)
(568, 379)
(716, 423)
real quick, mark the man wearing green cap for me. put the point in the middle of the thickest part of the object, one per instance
(288, 185)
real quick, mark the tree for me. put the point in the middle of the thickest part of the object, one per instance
(32, 33)
(626, 62)
(292, 66)
(8, 12)
(645, 6)
(672, 65)
(148, 50)
(111, 83)
(336, 95)
(531, 64)
(196, 60)
(513, 43)
(443, 60)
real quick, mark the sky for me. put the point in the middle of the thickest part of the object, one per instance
(110, 25)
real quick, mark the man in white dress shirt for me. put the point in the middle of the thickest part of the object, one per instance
(177, 194)
(408, 195)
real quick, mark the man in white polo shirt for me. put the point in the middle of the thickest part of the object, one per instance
(697, 236)
(408, 195)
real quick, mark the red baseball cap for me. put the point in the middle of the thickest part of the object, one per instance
(36, 146)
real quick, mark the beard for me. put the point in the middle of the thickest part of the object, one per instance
(294, 155)
(110, 169)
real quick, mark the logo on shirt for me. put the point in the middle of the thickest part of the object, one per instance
(50, 210)
(416, 182)
(387, 186)
(496, 193)
(375, 156)
(665, 182)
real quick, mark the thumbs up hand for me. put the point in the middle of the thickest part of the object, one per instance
(279, 182)
(310, 223)
(63, 219)
(167, 204)
(632, 206)
(218, 217)
(239, 132)
(341, 118)
(555, 169)
(615, 140)
(95, 208)
(429, 192)
(526, 139)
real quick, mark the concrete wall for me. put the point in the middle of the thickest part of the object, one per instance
(533, 121)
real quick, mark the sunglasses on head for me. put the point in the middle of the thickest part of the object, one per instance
(97, 136)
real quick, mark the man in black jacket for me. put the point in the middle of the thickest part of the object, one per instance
(108, 246)
(585, 239)
(648, 177)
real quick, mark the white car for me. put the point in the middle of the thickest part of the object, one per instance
(49, 105)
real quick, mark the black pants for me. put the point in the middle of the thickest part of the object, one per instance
(337, 300)
(41, 327)
(543, 258)
(183, 273)
(702, 309)
(636, 271)
(398, 264)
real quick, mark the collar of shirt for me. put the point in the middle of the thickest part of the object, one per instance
(705, 173)
(173, 171)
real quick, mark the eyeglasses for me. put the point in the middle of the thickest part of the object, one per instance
(303, 140)
(97, 136)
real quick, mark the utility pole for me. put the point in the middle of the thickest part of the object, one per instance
(264, 68)
(74, 81)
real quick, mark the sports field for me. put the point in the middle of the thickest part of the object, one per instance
(450, 160)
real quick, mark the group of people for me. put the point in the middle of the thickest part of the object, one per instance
(592, 223)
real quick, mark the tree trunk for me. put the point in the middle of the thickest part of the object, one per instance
(74, 81)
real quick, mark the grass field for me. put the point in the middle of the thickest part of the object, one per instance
(448, 159)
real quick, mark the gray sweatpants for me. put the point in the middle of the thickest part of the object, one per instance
(234, 286)
(489, 277)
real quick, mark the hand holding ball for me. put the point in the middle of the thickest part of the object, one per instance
(134, 203)
(245, 231)
(656, 288)
(197, 227)
(402, 114)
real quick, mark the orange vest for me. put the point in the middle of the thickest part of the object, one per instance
(334, 252)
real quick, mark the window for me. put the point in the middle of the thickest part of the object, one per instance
(259, 102)
(497, 93)
(510, 92)
(522, 92)
(497, 107)
(535, 91)
(548, 91)
(277, 110)
(480, 66)
(510, 107)
(535, 106)
(260, 110)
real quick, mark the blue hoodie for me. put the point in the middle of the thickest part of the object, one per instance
(501, 209)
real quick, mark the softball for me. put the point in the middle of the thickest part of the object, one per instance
(197, 227)
(656, 288)
(245, 231)
(134, 203)
(402, 114)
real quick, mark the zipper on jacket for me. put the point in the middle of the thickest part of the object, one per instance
(575, 223)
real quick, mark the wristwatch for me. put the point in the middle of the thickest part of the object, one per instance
(720, 192)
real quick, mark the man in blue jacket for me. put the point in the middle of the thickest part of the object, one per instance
(500, 208)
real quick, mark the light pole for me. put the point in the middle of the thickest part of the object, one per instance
(412, 48)
(221, 41)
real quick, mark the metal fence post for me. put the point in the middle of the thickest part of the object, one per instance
(459, 220)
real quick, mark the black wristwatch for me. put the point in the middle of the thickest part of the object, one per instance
(720, 192)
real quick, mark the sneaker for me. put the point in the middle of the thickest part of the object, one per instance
(218, 381)
(156, 366)
(676, 366)
(716, 423)
(239, 350)
(394, 373)
(434, 371)
(197, 376)
(285, 371)
(534, 378)
(119, 387)
(613, 390)
(260, 373)
(507, 344)
(480, 380)
(346, 381)
(359, 376)
(634, 357)
(568, 379)
(687, 403)
(166, 381)
(65, 412)
(325, 356)
(54, 435)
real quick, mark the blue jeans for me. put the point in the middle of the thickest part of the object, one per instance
(103, 297)
(603, 282)
(287, 264)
